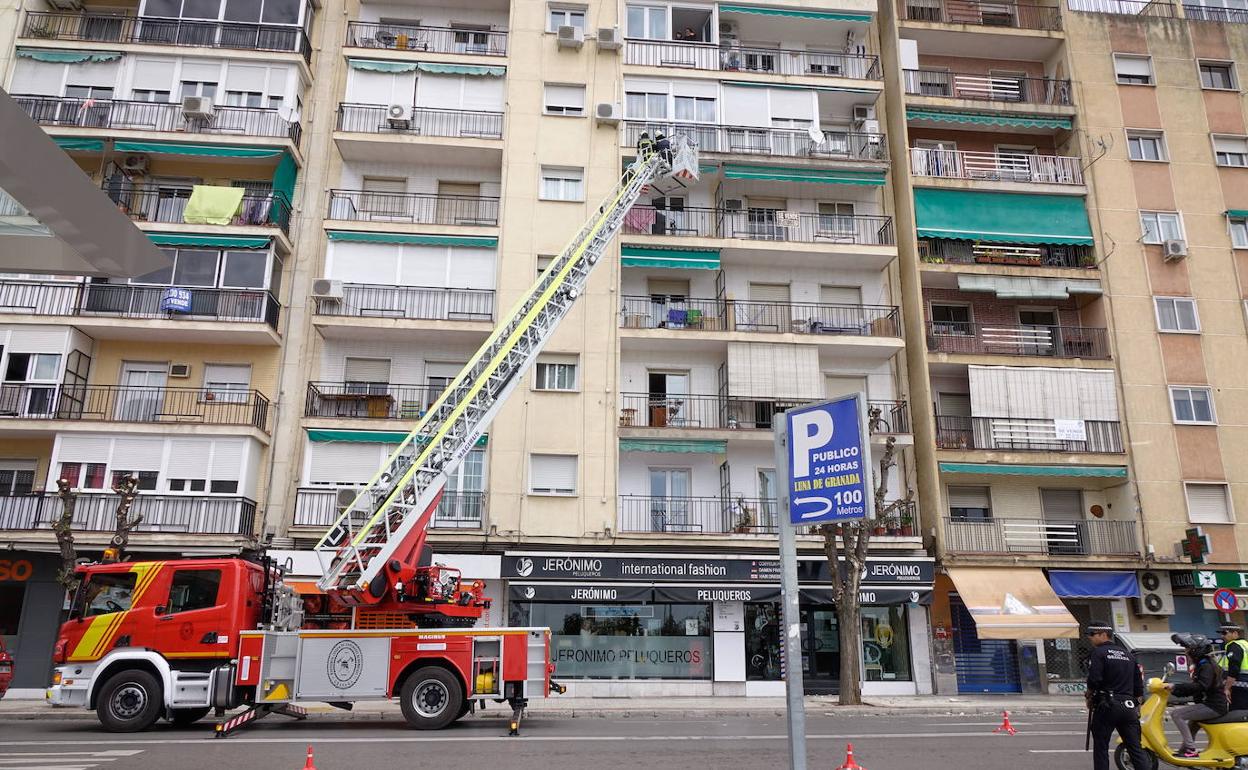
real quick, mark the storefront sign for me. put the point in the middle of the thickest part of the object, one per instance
(1182, 581)
(1196, 545)
(631, 657)
(530, 592)
(880, 571)
(1212, 579)
(15, 570)
(829, 462)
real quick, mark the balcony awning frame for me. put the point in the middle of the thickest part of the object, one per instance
(1005, 120)
(1013, 603)
(796, 13)
(677, 259)
(975, 215)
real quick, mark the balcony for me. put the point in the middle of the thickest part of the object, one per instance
(368, 400)
(1041, 537)
(723, 515)
(987, 88)
(413, 208)
(1152, 8)
(409, 302)
(135, 404)
(111, 28)
(420, 121)
(62, 298)
(701, 315)
(767, 142)
(936, 251)
(423, 39)
(671, 54)
(167, 204)
(706, 412)
(994, 167)
(162, 514)
(1003, 15)
(320, 507)
(760, 225)
(1044, 341)
(1014, 434)
(115, 114)
(1215, 14)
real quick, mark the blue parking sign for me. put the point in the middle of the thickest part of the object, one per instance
(829, 461)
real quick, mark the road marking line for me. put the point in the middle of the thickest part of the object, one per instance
(1057, 751)
(997, 723)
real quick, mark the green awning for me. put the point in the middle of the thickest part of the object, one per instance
(208, 241)
(786, 87)
(796, 13)
(1013, 287)
(69, 143)
(284, 177)
(981, 119)
(1001, 217)
(680, 259)
(676, 446)
(373, 65)
(1237, 213)
(997, 469)
(461, 69)
(352, 236)
(198, 150)
(816, 175)
(66, 57)
(369, 436)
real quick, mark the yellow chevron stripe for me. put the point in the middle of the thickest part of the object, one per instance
(91, 637)
(146, 573)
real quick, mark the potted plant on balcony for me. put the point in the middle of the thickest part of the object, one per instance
(881, 527)
(1087, 261)
(745, 518)
(907, 524)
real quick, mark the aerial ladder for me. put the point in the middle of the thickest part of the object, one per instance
(371, 555)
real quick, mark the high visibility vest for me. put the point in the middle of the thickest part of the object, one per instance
(1226, 659)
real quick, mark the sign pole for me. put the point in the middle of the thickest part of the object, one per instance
(791, 614)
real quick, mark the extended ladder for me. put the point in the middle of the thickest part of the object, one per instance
(389, 517)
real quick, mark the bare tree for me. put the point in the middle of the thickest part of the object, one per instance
(63, 527)
(127, 489)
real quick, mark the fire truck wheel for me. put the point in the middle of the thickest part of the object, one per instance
(129, 702)
(184, 717)
(431, 698)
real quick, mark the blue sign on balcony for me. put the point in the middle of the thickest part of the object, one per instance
(176, 300)
(829, 461)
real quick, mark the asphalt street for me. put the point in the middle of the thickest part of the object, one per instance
(895, 743)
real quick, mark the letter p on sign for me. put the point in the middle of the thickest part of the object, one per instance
(811, 430)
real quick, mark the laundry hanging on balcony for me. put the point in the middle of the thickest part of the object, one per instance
(1002, 217)
(212, 205)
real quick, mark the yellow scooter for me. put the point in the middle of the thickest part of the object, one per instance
(1228, 735)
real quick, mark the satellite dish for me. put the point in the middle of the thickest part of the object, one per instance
(815, 134)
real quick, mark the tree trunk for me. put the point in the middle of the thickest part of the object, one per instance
(63, 527)
(849, 623)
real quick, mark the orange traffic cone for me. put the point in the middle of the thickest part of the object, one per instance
(309, 765)
(1005, 728)
(850, 764)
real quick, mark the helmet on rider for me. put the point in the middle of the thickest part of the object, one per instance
(1197, 645)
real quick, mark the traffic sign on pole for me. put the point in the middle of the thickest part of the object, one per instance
(1225, 600)
(829, 461)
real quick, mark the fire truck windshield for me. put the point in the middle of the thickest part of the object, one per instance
(104, 593)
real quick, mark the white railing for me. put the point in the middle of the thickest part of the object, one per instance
(960, 164)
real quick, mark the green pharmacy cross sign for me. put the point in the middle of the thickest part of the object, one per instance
(1196, 545)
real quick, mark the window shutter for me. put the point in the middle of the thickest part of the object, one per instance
(471, 269)
(153, 75)
(954, 405)
(1230, 144)
(277, 81)
(792, 104)
(138, 454)
(369, 263)
(245, 77)
(552, 473)
(769, 292)
(39, 78)
(83, 449)
(842, 385)
(188, 459)
(233, 374)
(1207, 502)
(343, 462)
(745, 106)
(94, 74)
(227, 460)
(969, 497)
(565, 96)
(367, 370)
(840, 295)
(1132, 65)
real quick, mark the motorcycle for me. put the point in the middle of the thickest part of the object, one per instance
(1228, 735)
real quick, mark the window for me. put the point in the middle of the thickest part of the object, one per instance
(223, 487)
(695, 109)
(227, 383)
(647, 22)
(1239, 231)
(187, 485)
(970, 504)
(644, 105)
(193, 589)
(97, 93)
(1192, 406)
(147, 479)
(564, 99)
(17, 481)
(1146, 145)
(32, 367)
(83, 475)
(197, 88)
(1133, 70)
(544, 261)
(951, 319)
(1176, 314)
(552, 474)
(1159, 226)
(1208, 503)
(565, 16)
(562, 184)
(1230, 151)
(244, 269)
(555, 373)
(1219, 75)
(244, 99)
(108, 592)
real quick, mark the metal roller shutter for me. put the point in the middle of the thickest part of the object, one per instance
(552, 474)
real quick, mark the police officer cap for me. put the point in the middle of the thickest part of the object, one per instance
(1099, 627)
(1222, 629)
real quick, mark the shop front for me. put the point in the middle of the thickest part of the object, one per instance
(1194, 609)
(30, 617)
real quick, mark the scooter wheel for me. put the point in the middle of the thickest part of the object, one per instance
(1123, 760)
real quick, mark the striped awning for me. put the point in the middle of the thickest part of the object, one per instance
(1070, 471)
(368, 436)
(814, 175)
(674, 446)
(198, 150)
(796, 13)
(208, 241)
(985, 119)
(678, 259)
(354, 236)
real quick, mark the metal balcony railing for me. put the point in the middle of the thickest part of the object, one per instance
(415, 208)
(167, 203)
(321, 506)
(1090, 537)
(369, 400)
(990, 88)
(97, 512)
(1125, 7)
(1028, 434)
(396, 36)
(775, 142)
(62, 298)
(1023, 340)
(941, 250)
(130, 403)
(414, 302)
(691, 411)
(726, 57)
(113, 28)
(115, 114)
(996, 167)
(761, 225)
(421, 121)
(1215, 14)
(1007, 14)
(694, 314)
(722, 515)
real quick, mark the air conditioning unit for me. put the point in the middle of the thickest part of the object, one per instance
(66, 5)
(734, 204)
(1156, 596)
(727, 30)
(135, 164)
(399, 115)
(1175, 249)
(864, 112)
(347, 496)
(180, 371)
(609, 39)
(327, 288)
(869, 126)
(568, 36)
(197, 106)
(608, 113)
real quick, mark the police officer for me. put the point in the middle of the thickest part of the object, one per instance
(1115, 689)
(1235, 664)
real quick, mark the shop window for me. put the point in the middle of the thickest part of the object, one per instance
(193, 589)
(885, 644)
(108, 592)
(12, 596)
(762, 642)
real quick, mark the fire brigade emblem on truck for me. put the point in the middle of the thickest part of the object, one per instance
(345, 664)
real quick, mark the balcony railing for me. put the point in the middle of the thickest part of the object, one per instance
(414, 302)
(1216, 14)
(721, 515)
(57, 298)
(116, 114)
(1047, 341)
(200, 514)
(167, 203)
(111, 28)
(760, 225)
(1041, 536)
(694, 314)
(131, 403)
(369, 400)
(778, 142)
(1007, 14)
(1125, 7)
(421, 121)
(697, 412)
(415, 208)
(989, 88)
(1010, 434)
(321, 506)
(996, 167)
(942, 250)
(679, 54)
(417, 37)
